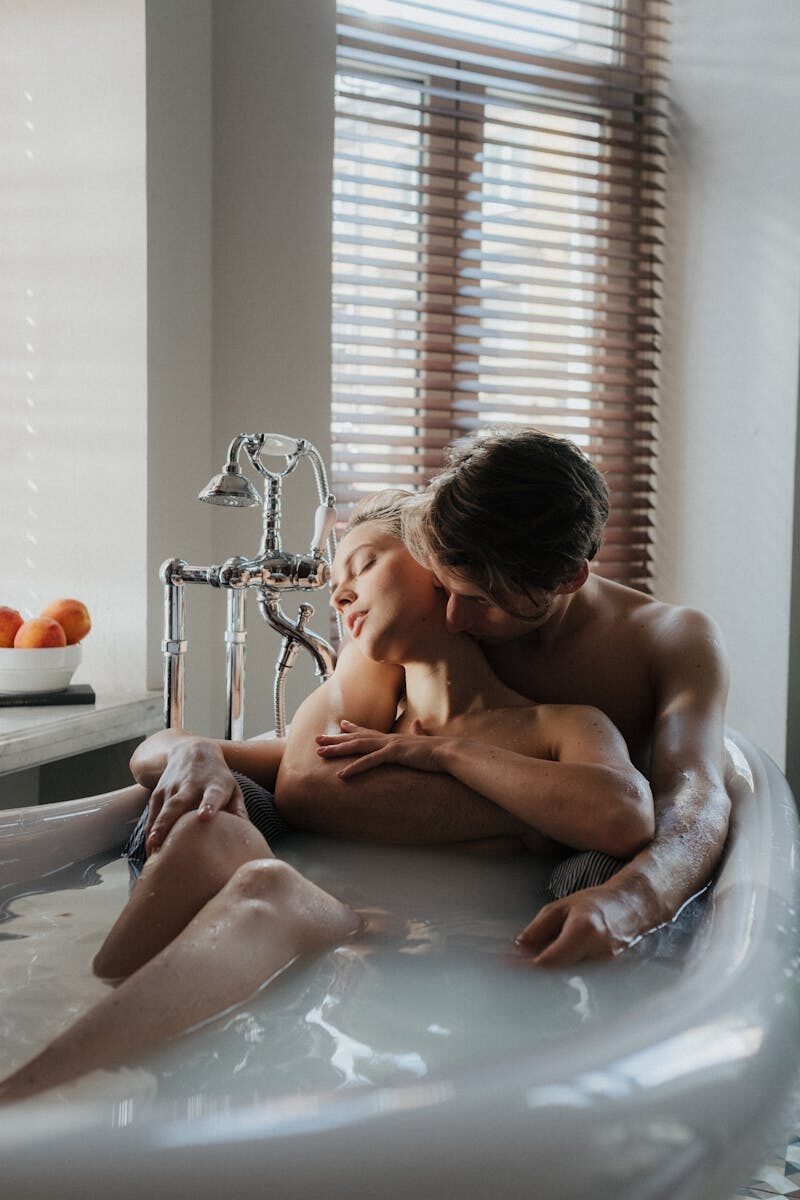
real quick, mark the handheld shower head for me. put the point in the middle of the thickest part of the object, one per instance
(230, 488)
(279, 443)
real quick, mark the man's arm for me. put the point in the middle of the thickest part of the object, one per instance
(692, 807)
(396, 804)
(563, 770)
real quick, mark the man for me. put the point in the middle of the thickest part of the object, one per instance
(510, 528)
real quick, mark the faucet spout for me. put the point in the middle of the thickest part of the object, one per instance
(294, 634)
(320, 650)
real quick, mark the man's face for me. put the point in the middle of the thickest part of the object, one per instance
(469, 610)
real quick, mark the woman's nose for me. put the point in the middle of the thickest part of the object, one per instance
(340, 596)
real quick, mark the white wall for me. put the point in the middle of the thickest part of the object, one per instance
(166, 285)
(273, 140)
(73, 321)
(732, 338)
(179, 330)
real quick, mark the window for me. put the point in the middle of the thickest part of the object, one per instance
(497, 202)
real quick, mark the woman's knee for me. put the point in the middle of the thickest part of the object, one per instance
(182, 838)
(273, 892)
(224, 837)
(267, 879)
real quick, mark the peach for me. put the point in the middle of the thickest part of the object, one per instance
(38, 633)
(72, 616)
(10, 621)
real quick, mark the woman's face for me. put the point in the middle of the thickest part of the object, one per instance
(389, 602)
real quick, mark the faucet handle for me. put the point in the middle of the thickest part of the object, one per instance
(324, 521)
(304, 614)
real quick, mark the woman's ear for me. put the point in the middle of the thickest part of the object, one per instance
(577, 582)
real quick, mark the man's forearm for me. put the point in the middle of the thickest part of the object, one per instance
(390, 804)
(600, 922)
(691, 828)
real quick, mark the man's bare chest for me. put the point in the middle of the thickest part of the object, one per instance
(615, 680)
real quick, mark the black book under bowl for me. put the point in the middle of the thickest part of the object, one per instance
(76, 693)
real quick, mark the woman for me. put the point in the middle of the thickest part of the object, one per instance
(215, 915)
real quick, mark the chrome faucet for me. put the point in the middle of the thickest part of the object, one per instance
(272, 572)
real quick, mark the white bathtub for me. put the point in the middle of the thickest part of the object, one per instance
(430, 1061)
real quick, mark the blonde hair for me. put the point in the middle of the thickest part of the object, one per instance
(383, 508)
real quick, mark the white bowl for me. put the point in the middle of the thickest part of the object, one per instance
(46, 669)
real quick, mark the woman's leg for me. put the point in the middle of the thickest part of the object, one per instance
(195, 862)
(263, 918)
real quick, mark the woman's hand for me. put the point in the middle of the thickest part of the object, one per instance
(415, 749)
(196, 776)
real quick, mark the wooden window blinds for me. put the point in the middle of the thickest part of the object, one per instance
(497, 235)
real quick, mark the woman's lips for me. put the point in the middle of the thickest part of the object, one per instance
(354, 623)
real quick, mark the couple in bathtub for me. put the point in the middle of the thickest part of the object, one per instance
(508, 531)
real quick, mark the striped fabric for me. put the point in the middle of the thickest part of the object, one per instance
(261, 810)
(589, 869)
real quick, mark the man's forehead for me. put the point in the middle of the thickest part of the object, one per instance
(456, 580)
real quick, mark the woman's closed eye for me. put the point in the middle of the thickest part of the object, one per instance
(340, 590)
(362, 566)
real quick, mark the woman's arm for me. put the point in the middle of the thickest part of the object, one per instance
(580, 788)
(393, 805)
(585, 794)
(258, 757)
(185, 772)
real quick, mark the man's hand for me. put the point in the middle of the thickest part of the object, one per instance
(196, 777)
(590, 924)
(415, 749)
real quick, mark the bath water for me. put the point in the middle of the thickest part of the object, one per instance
(435, 985)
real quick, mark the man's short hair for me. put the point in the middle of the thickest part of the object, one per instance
(516, 510)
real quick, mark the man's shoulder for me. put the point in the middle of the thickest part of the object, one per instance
(680, 648)
(677, 641)
(618, 602)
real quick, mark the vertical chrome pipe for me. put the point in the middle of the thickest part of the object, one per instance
(286, 660)
(174, 643)
(236, 646)
(288, 654)
(271, 526)
(329, 500)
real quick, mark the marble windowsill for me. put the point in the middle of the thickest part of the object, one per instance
(30, 737)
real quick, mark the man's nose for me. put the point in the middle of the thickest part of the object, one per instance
(458, 614)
